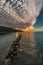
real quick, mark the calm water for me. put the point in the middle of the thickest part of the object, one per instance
(31, 44)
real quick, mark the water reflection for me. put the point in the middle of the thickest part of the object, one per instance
(30, 44)
(28, 41)
(17, 34)
(30, 53)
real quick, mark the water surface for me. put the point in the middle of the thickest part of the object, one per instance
(31, 44)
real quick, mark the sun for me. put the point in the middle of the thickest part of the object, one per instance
(27, 29)
(30, 27)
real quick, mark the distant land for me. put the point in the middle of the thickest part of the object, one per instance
(7, 30)
(29, 29)
(10, 30)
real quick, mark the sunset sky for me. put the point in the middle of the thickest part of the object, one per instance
(31, 13)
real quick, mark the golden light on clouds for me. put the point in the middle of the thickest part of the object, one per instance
(27, 29)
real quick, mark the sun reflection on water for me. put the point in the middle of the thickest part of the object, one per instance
(30, 52)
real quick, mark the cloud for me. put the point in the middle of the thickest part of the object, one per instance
(24, 11)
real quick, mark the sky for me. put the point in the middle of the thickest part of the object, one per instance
(22, 13)
(39, 21)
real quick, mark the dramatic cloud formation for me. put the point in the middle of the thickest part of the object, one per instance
(24, 11)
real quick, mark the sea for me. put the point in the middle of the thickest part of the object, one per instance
(31, 44)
